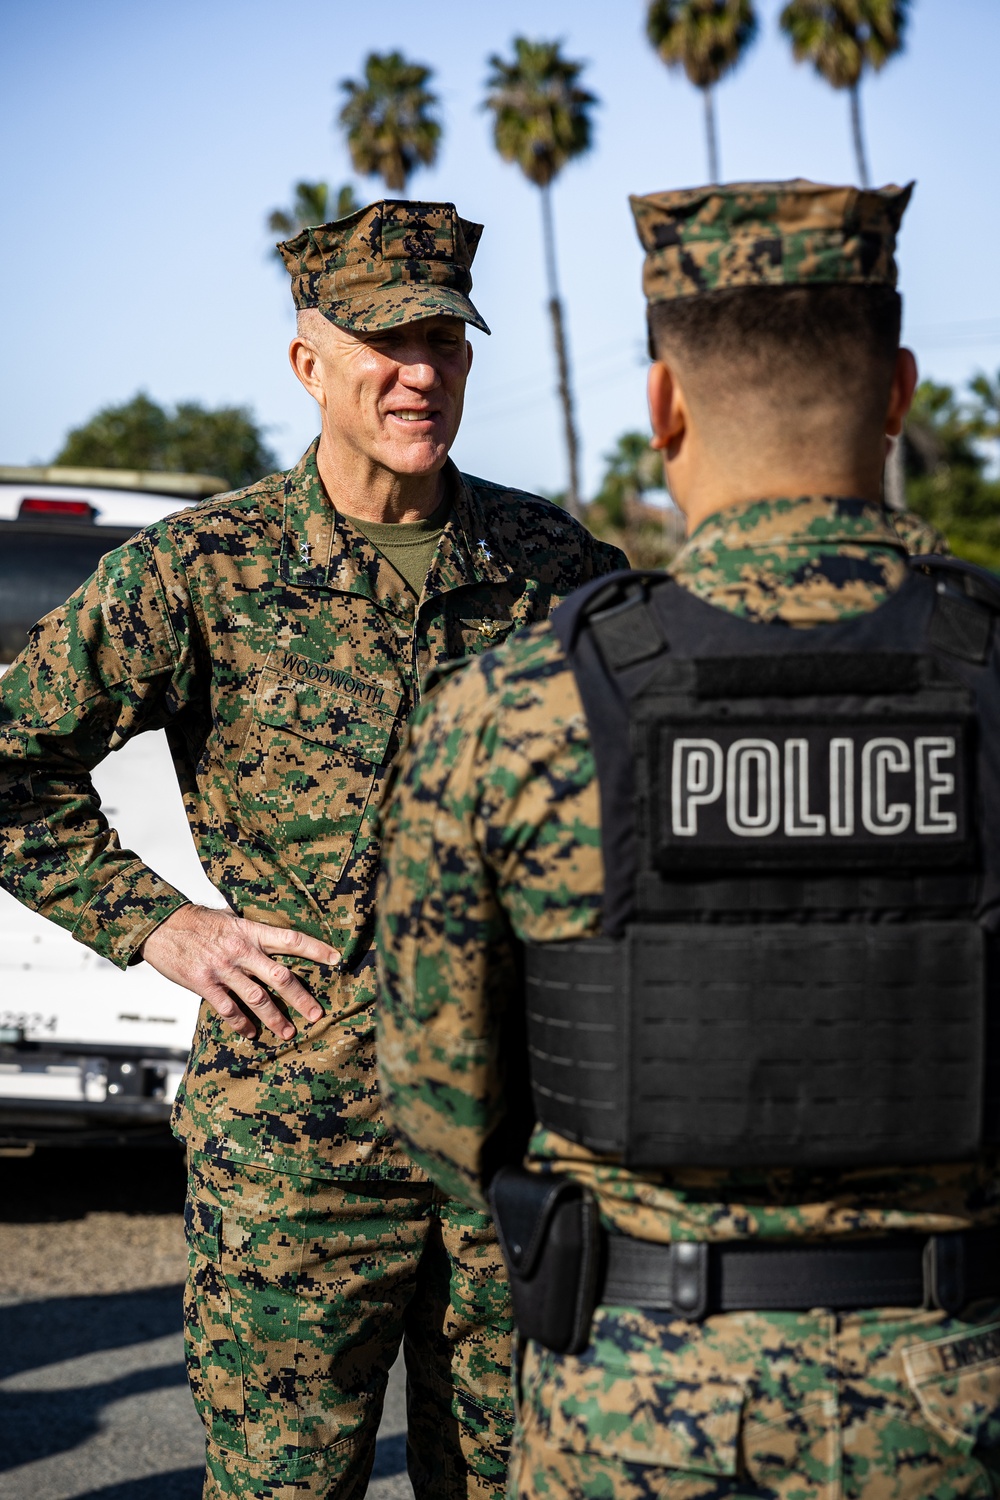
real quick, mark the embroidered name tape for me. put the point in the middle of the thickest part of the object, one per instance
(307, 670)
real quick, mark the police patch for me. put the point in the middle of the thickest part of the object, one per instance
(785, 792)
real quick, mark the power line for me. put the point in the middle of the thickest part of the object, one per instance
(480, 410)
(583, 362)
(968, 325)
(965, 334)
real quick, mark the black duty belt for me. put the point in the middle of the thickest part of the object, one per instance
(693, 1279)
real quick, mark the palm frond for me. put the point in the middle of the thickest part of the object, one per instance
(845, 38)
(541, 115)
(346, 203)
(707, 38)
(388, 119)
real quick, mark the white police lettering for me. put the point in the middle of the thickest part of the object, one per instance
(881, 758)
(814, 787)
(933, 783)
(799, 821)
(696, 779)
(753, 788)
(841, 787)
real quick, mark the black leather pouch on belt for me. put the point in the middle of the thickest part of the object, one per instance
(550, 1236)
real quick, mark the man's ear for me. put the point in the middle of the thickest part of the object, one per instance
(667, 408)
(468, 356)
(904, 383)
(304, 360)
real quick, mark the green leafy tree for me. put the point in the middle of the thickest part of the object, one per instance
(620, 511)
(945, 468)
(707, 38)
(313, 203)
(844, 39)
(986, 407)
(541, 121)
(191, 439)
(633, 468)
(388, 119)
(938, 432)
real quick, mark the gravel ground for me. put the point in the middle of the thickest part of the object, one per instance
(92, 1384)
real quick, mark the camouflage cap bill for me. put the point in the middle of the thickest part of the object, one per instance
(795, 233)
(390, 263)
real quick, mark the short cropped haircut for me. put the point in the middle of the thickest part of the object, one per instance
(843, 337)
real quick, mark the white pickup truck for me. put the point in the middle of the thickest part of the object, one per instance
(87, 1053)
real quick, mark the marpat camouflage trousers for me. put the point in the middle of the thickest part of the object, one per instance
(299, 1293)
(879, 1405)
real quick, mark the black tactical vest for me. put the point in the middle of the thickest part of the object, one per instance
(801, 838)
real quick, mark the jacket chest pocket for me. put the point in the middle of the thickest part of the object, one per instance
(315, 752)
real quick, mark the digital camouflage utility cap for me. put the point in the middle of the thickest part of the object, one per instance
(390, 263)
(794, 233)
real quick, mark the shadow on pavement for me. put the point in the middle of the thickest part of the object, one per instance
(390, 1456)
(33, 1334)
(180, 1484)
(40, 1423)
(43, 1423)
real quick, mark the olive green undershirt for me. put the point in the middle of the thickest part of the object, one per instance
(408, 546)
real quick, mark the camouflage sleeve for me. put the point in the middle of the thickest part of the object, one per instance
(113, 661)
(491, 838)
(447, 963)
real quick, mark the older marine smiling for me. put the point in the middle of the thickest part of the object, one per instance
(393, 397)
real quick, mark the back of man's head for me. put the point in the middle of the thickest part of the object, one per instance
(777, 366)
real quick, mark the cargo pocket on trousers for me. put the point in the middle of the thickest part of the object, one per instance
(643, 1418)
(215, 1367)
(956, 1381)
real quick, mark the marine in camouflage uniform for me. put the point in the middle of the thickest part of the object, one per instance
(493, 839)
(282, 653)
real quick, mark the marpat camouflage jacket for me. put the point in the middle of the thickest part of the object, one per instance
(282, 654)
(492, 835)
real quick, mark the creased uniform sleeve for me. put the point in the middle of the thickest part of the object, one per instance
(113, 661)
(447, 961)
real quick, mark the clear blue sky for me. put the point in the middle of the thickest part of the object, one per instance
(144, 143)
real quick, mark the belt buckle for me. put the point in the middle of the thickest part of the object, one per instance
(944, 1273)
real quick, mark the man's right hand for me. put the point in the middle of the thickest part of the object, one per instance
(230, 962)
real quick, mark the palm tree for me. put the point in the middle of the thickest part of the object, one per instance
(541, 121)
(621, 511)
(632, 469)
(388, 121)
(843, 38)
(313, 203)
(707, 38)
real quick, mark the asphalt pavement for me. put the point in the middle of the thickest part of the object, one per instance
(94, 1403)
